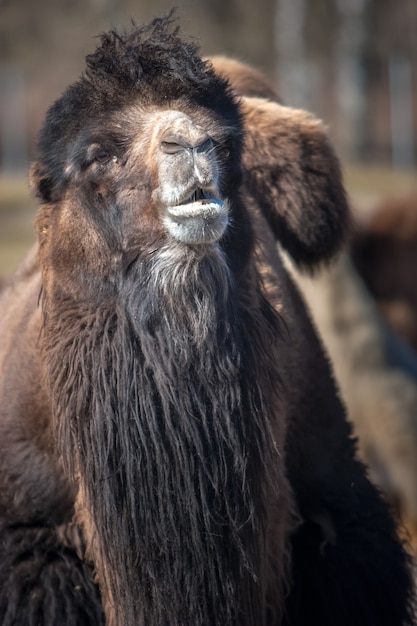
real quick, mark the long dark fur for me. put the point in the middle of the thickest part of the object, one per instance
(43, 582)
(161, 397)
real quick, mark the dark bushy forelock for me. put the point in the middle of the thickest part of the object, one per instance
(157, 63)
(147, 54)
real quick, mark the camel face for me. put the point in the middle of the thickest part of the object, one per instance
(173, 164)
(137, 181)
(188, 193)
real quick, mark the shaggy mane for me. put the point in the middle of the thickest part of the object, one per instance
(144, 53)
(161, 396)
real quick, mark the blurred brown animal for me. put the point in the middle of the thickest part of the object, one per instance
(384, 251)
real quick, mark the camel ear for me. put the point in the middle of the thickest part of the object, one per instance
(292, 172)
(40, 183)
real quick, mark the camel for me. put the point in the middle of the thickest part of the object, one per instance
(173, 446)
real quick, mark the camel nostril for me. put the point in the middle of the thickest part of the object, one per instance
(205, 146)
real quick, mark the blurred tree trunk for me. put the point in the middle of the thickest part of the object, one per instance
(353, 63)
(290, 46)
(244, 28)
(350, 87)
(391, 77)
(13, 141)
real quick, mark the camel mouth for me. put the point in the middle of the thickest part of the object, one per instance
(199, 201)
(200, 218)
(199, 194)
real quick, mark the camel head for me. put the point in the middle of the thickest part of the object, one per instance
(143, 152)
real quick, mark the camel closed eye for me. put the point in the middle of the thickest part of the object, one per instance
(102, 156)
(171, 147)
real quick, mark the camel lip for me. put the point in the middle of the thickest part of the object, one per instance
(205, 208)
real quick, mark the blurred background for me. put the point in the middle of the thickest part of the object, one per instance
(352, 62)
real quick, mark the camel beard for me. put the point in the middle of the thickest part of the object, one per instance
(160, 412)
